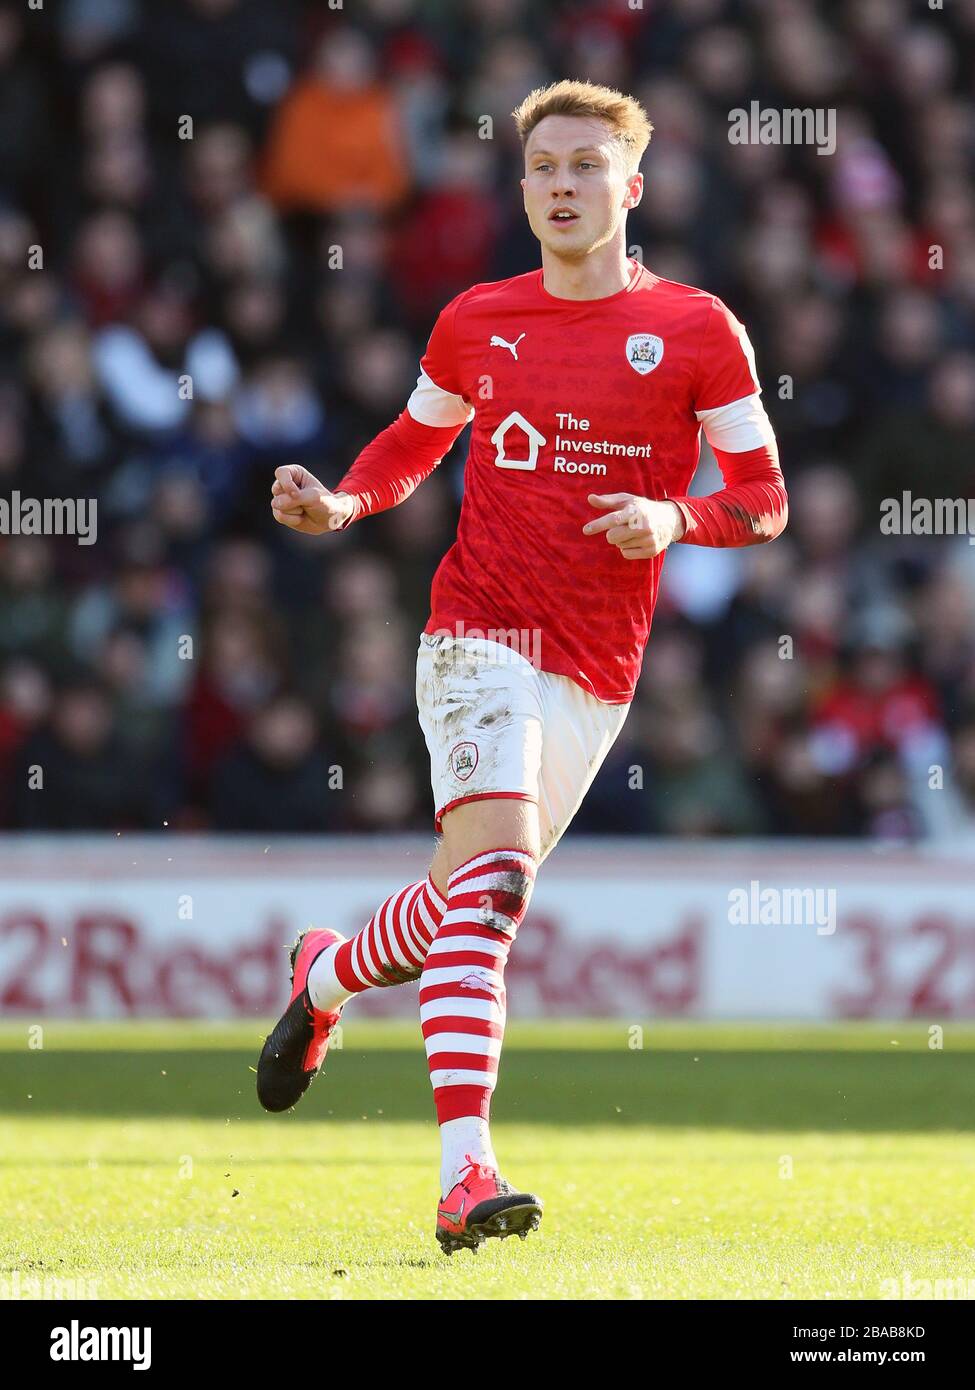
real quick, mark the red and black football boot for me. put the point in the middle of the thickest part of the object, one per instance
(481, 1205)
(295, 1049)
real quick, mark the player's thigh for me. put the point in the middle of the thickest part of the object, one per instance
(578, 733)
(480, 710)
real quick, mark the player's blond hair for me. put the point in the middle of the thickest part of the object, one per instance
(628, 122)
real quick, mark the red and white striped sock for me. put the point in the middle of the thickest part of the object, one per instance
(389, 950)
(462, 999)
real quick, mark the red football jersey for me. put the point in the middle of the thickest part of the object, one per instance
(572, 397)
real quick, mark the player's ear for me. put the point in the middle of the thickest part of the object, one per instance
(634, 191)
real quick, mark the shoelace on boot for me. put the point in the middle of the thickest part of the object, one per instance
(475, 1171)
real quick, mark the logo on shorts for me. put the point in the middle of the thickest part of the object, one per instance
(463, 760)
(644, 351)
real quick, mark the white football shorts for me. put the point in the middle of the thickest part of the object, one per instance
(496, 726)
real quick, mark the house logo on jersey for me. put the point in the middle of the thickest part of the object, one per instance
(644, 351)
(529, 438)
(463, 760)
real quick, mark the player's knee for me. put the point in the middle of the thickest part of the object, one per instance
(509, 878)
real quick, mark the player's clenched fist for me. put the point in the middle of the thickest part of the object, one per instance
(300, 501)
(640, 526)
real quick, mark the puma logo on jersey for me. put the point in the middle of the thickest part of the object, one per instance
(497, 341)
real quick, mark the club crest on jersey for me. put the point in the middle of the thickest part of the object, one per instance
(463, 760)
(644, 351)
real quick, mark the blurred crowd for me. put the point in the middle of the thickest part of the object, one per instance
(254, 285)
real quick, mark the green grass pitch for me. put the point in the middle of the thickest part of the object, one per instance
(717, 1161)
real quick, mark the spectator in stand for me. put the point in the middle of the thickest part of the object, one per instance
(279, 763)
(334, 143)
(72, 774)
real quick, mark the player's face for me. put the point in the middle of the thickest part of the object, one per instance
(576, 186)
